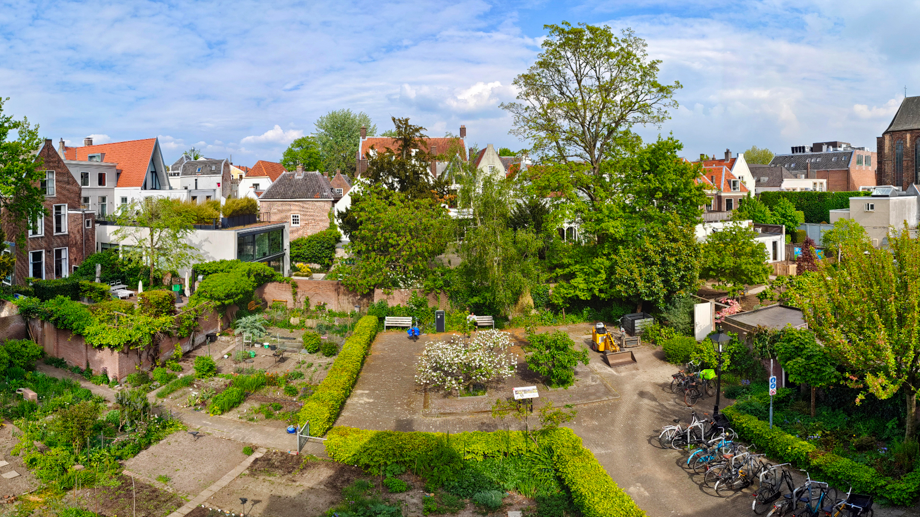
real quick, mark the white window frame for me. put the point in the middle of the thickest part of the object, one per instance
(124, 200)
(88, 224)
(100, 179)
(340, 192)
(736, 185)
(63, 215)
(103, 206)
(85, 202)
(49, 184)
(255, 186)
(870, 207)
(84, 179)
(295, 220)
(65, 262)
(40, 230)
(39, 253)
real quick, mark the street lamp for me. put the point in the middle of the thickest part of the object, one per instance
(719, 340)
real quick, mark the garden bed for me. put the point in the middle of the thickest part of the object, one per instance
(129, 497)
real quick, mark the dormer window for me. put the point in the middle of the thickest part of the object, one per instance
(736, 185)
(94, 158)
(338, 191)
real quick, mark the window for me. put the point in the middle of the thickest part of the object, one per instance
(37, 228)
(868, 161)
(196, 183)
(736, 185)
(84, 203)
(84, 179)
(94, 158)
(729, 205)
(870, 207)
(792, 165)
(339, 192)
(101, 179)
(37, 264)
(199, 169)
(295, 219)
(859, 159)
(60, 219)
(88, 224)
(103, 206)
(124, 200)
(60, 263)
(255, 186)
(899, 164)
(213, 168)
(712, 179)
(834, 159)
(47, 184)
(491, 168)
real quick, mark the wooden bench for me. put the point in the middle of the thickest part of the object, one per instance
(397, 321)
(485, 321)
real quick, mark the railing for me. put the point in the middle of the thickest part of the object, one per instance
(712, 217)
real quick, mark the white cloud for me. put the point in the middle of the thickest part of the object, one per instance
(100, 139)
(168, 143)
(885, 111)
(275, 135)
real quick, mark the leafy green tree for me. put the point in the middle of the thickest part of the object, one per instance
(21, 195)
(337, 134)
(193, 153)
(847, 237)
(733, 258)
(757, 155)
(303, 151)
(406, 168)
(225, 289)
(504, 151)
(155, 233)
(864, 311)
(753, 209)
(553, 355)
(806, 361)
(784, 213)
(394, 240)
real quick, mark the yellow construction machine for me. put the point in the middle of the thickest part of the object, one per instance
(605, 342)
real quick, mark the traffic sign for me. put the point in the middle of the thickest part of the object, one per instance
(772, 385)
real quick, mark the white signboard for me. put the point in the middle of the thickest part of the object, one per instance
(772, 385)
(525, 392)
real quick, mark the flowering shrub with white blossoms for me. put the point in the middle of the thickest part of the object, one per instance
(460, 363)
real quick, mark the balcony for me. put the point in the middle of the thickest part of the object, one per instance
(713, 217)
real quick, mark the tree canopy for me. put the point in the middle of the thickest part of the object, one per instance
(406, 168)
(21, 193)
(757, 155)
(303, 151)
(806, 361)
(337, 135)
(733, 258)
(846, 238)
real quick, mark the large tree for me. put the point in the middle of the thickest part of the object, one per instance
(406, 168)
(846, 238)
(21, 194)
(155, 233)
(757, 155)
(338, 134)
(866, 311)
(303, 151)
(732, 257)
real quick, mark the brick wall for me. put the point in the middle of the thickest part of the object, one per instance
(885, 159)
(335, 296)
(314, 215)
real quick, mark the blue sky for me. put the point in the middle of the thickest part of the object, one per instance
(244, 78)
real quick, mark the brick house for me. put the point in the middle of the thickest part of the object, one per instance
(58, 242)
(898, 151)
(842, 166)
(301, 199)
(737, 166)
(259, 177)
(369, 146)
(723, 190)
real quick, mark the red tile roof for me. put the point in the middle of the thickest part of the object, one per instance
(718, 163)
(382, 143)
(263, 168)
(132, 158)
(719, 177)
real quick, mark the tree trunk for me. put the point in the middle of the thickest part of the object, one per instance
(911, 426)
(812, 401)
(639, 306)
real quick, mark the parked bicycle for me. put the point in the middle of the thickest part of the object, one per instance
(771, 482)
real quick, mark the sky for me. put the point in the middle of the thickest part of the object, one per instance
(245, 78)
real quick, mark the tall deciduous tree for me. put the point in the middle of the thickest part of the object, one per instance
(155, 232)
(21, 196)
(406, 168)
(866, 310)
(846, 238)
(753, 209)
(303, 151)
(732, 257)
(784, 213)
(806, 361)
(338, 134)
(757, 155)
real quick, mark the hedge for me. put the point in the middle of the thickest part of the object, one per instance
(815, 205)
(157, 303)
(834, 469)
(70, 288)
(95, 291)
(318, 248)
(594, 493)
(324, 405)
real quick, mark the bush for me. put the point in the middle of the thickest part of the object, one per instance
(816, 206)
(250, 383)
(205, 367)
(163, 376)
(311, 342)
(23, 353)
(226, 400)
(678, 349)
(225, 289)
(318, 248)
(241, 206)
(329, 348)
(110, 307)
(113, 269)
(322, 408)
(555, 358)
(175, 385)
(290, 390)
(49, 289)
(247, 450)
(173, 366)
(156, 303)
(395, 486)
(138, 378)
(490, 500)
(96, 292)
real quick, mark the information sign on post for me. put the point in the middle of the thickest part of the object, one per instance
(772, 392)
(525, 392)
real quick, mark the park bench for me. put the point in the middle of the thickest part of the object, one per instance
(485, 321)
(397, 321)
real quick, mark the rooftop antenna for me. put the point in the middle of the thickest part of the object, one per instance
(905, 91)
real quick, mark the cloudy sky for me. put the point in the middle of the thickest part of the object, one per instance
(244, 78)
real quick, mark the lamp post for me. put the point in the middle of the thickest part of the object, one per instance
(719, 340)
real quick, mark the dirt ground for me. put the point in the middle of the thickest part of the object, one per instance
(191, 464)
(23, 483)
(120, 500)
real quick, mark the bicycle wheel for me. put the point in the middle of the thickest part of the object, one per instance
(675, 382)
(710, 388)
(701, 463)
(763, 499)
(691, 395)
(725, 483)
(713, 475)
(679, 441)
(665, 437)
(779, 509)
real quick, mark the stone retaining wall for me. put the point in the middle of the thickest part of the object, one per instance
(335, 296)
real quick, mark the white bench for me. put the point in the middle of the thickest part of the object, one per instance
(485, 321)
(123, 294)
(397, 321)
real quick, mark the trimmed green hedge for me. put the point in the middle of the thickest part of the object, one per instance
(318, 248)
(322, 408)
(157, 303)
(594, 493)
(834, 469)
(815, 205)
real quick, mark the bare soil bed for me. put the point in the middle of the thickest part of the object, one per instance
(23, 483)
(151, 501)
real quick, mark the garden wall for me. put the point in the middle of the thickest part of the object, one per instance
(12, 326)
(336, 296)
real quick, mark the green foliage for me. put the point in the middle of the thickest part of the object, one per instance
(247, 450)
(758, 155)
(337, 134)
(113, 269)
(23, 353)
(329, 348)
(323, 406)
(311, 341)
(804, 360)
(678, 349)
(175, 385)
(138, 378)
(48, 289)
(733, 258)
(64, 313)
(156, 303)
(199, 213)
(784, 213)
(678, 314)
(395, 486)
(250, 383)
(205, 367)
(225, 289)
(847, 236)
(303, 151)
(163, 376)
(815, 206)
(75, 423)
(95, 291)
(21, 174)
(226, 401)
(553, 355)
(77, 512)
(359, 500)
(318, 248)
(489, 500)
(252, 326)
(240, 206)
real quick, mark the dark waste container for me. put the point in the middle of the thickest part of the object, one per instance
(636, 322)
(440, 324)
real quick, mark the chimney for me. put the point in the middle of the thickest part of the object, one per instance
(728, 155)
(462, 131)
(434, 161)
(61, 148)
(88, 141)
(702, 157)
(299, 170)
(363, 132)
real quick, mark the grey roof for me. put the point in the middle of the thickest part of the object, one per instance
(769, 175)
(203, 166)
(308, 185)
(907, 117)
(773, 317)
(798, 163)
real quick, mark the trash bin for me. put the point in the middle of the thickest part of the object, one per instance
(439, 321)
(635, 323)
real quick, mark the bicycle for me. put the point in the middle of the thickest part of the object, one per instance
(808, 499)
(771, 488)
(709, 453)
(740, 476)
(855, 505)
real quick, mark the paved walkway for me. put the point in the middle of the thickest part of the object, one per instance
(220, 483)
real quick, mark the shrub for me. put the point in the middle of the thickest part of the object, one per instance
(678, 349)
(225, 289)
(138, 378)
(455, 364)
(95, 291)
(173, 366)
(205, 367)
(247, 450)
(290, 390)
(226, 400)
(175, 385)
(23, 353)
(49, 289)
(322, 408)
(241, 206)
(113, 269)
(555, 358)
(156, 303)
(318, 248)
(311, 341)
(109, 307)
(490, 500)
(395, 486)
(250, 383)
(163, 376)
(329, 348)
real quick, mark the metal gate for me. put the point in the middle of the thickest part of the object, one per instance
(303, 434)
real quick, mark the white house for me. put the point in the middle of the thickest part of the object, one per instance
(773, 236)
(259, 178)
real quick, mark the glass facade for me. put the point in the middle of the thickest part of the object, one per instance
(259, 246)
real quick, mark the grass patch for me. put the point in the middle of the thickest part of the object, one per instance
(175, 385)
